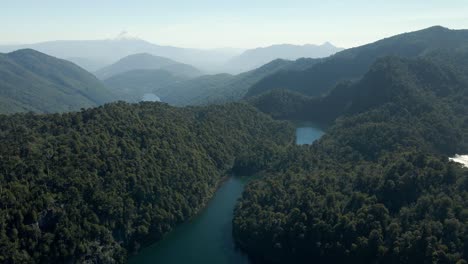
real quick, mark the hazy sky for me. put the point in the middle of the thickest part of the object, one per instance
(219, 23)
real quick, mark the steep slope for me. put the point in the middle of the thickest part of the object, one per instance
(378, 187)
(131, 86)
(145, 61)
(353, 63)
(33, 81)
(254, 58)
(440, 73)
(223, 87)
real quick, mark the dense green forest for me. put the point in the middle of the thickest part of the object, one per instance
(97, 184)
(33, 81)
(378, 187)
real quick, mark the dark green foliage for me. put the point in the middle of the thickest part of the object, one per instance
(319, 78)
(33, 81)
(378, 187)
(92, 185)
(286, 104)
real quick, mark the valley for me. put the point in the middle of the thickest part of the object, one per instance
(162, 155)
(213, 224)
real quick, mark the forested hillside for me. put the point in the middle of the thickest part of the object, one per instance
(33, 81)
(351, 64)
(378, 187)
(441, 74)
(145, 61)
(221, 88)
(92, 186)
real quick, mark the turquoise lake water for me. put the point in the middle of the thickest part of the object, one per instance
(207, 238)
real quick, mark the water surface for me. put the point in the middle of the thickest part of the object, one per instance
(207, 238)
(307, 133)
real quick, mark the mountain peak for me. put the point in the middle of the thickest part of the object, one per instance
(125, 35)
(328, 44)
(438, 28)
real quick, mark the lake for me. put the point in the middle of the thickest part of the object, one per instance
(307, 133)
(207, 238)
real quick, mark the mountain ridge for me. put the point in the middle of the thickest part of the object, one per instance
(146, 61)
(253, 58)
(34, 81)
(354, 62)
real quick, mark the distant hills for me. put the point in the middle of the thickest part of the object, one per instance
(132, 86)
(175, 88)
(220, 88)
(312, 77)
(95, 54)
(33, 81)
(254, 58)
(145, 61)
(177, 83)
(324, 74)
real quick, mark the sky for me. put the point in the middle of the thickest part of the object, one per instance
(220, 24)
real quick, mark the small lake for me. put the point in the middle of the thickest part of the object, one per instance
(207, 238)
(307, 133)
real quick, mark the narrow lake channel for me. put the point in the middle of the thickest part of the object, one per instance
(207, 238)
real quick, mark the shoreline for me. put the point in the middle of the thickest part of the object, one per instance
(150, 242)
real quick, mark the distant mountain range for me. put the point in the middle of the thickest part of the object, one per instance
(33, 81)
(181, 84)
(174, 85)
(323, 74)
(220, 88)
(95, 54)
(145, 61)
(133, 86)
(308, 76)
(254, 58)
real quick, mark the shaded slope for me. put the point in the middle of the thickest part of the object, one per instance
(33, 81)
(222, 88)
